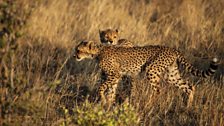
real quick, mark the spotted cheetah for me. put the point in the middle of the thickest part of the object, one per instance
(154, 61)
(111, 37)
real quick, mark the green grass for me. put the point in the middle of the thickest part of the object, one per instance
(42, 84)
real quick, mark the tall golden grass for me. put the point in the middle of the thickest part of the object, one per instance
(41, 77)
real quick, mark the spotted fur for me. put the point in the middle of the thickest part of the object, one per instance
(111, 37)
(154, 61)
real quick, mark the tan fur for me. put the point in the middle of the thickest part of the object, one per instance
(111, 37)
(154, 61)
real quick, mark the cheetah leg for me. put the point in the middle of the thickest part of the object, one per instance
(131, 89)
(153, 77)
(174, 78)
(127, 90)
(107, 90)
(155, 68)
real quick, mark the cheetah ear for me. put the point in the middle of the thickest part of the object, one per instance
(84, 42)
(117, 30)
(92, 44)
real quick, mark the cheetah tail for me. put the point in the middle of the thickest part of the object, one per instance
(200, 73)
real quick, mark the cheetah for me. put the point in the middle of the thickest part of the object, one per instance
(153, 60)
(111, 37)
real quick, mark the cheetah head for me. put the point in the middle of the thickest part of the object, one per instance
(109, 36)
(85, 50)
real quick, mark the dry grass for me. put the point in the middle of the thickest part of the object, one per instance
(40, 78)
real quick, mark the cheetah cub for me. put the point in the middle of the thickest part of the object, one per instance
(111, 37)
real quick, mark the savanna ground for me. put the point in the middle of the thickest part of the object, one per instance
(42, 84)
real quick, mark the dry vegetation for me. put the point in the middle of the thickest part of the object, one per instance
(41, 84)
